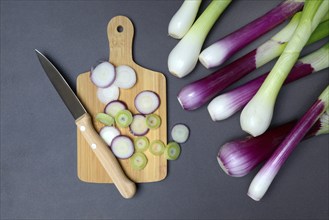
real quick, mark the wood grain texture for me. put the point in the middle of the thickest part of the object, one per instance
(120, 32)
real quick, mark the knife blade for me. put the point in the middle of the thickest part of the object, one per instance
(126, 187)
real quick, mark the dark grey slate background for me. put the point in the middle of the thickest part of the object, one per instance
(38, 135)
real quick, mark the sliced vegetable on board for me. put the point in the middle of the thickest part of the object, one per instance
(106, 95)
(146, 102)
(257, 114)
(153, 121)
(267, 173)
(108, 133)
(183, 58)
(113, 107)
(196, 94)
(138, 126)
(172, 151)
(138, 161)
(125, 77)
(103, 75)
(225, 105)
(141, 143)
(105, 119)
(123, 118)
(122, 147)
(157, 147)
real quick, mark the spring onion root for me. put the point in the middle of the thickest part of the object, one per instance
(257, 115)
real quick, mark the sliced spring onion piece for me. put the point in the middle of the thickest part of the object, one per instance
(239, 157)
(146, 102)
(103, 75)
(106, 95)
(153, 121)
(108, 133)
(267, 173)
(183, 58)
(257, 114)
(225, 105)
(157, 147)
(125, 77)
(123, 118)
(105, 119)
(180, 133)
(223, 49)
(114, 107)
(141, 143)
(198, 93)
(138, 161)
(138, 126)
(122, 147)
(172, 151)
(183, 19)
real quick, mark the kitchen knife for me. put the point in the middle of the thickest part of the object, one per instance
(126, 187)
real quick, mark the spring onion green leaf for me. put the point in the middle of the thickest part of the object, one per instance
(181, 62)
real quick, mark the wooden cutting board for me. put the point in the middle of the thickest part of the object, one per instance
(120, 33)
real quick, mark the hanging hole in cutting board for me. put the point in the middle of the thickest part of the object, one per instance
(120, 29)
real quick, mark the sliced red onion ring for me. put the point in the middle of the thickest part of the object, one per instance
(106, 95)
(138, 127)
(146, 102)
(103, 75)
(113, 107)
(125, 77)
(122, 147)
(108, 133)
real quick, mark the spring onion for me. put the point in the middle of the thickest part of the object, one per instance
(183, 19)
(223, 49)
(267, 173)
(183, 58)
(225, 105)
(239, 157)
(197, 93)
(257, 114)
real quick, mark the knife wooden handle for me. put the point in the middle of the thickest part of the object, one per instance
(126, 187)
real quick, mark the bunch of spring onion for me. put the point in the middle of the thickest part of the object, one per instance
(223, 49)
(267, 173)
(183, 58)
(198, 93)
(257, 114)
(225, 105)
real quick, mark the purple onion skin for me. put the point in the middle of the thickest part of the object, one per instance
(240, 157)
(260, 26)
(248, 90)
(198, 93)
(281, 154)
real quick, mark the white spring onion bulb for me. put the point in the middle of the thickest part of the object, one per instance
(183, 19)
(257, 115)
(183, 58)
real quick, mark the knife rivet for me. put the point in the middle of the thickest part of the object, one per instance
(93, 146)
(82, 128)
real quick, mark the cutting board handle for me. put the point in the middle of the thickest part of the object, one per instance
(120, 32)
